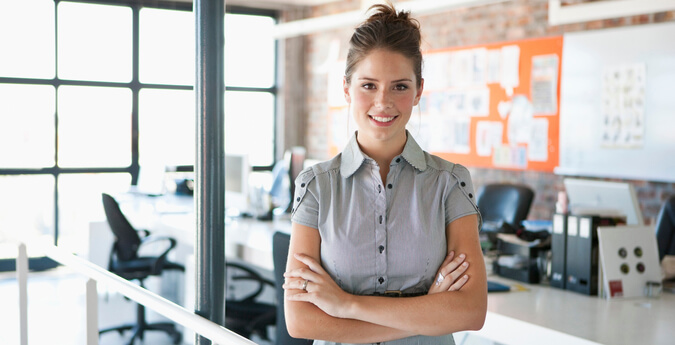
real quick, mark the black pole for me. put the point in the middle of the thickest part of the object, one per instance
(210, 165)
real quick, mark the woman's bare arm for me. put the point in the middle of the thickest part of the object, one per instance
(440, 313)
(306, 320)
(337, 312)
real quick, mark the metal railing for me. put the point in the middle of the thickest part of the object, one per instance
(200, 325)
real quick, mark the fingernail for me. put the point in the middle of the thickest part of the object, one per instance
(452, 253)
(462, 256)
(465, 264)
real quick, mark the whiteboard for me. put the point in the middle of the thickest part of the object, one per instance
(586, 57)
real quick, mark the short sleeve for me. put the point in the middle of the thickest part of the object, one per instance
(461, 200)
(305, 201)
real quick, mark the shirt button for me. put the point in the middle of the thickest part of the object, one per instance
(297, 199)
(381, 248)
(379, 188)
(463, 184)
(470, 195)
(380, 219)
(380, 279)
(302, 185)
(398, 160)
(390, 186)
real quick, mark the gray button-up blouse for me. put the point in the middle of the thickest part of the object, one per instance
(384, 235)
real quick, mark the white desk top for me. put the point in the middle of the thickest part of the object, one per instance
(548, 315)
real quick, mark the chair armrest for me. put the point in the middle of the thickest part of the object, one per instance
(161, 259)
(253, 276)
(143, 233)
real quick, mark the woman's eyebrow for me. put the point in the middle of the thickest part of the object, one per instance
(393, 81)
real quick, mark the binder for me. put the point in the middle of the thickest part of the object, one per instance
(559, 251)
(582, 252)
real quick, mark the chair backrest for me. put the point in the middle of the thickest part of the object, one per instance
(127, 240)
(504, 203)
(665, 228)
(280, 243)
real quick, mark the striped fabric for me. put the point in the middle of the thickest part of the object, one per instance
(378, 236)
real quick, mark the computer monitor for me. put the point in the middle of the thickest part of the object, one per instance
(237, 170)
(603, 197)
(665, 228)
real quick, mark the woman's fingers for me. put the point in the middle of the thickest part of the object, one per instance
(447, 271)
(311, 273)
(459, 283)
(309, 261)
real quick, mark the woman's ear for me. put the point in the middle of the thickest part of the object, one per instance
(345, 89)
(419, 92)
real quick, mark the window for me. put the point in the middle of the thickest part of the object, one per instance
(92, 90)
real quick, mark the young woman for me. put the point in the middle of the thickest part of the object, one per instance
(384, 244)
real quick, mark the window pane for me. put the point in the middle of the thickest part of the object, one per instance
(80, 204)
(26, 212)
(167, 47)
(249, 125)
(255, 48)
(95, 42)
(166, 127)
(27, 38)
(94, 126)
(26, 126)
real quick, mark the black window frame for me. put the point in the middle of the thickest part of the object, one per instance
(39, 263)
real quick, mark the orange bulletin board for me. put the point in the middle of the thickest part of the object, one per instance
(494, 106)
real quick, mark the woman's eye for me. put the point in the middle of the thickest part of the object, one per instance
(401, 87)
(369, 86)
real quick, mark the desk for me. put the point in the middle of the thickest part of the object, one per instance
(246, 239)
(545, 315)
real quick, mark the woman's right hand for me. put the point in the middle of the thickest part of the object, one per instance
(450, 276)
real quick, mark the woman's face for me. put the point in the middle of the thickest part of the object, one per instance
(381, 95)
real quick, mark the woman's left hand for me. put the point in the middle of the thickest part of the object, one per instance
(316, 287)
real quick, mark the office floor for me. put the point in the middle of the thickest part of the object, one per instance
(56, 311)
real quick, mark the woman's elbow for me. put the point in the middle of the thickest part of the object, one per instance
(477, 321)
(296, 327)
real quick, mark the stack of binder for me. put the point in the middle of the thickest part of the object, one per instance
(574, 246)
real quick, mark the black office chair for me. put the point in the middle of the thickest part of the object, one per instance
(126, 262)
(665, 229)
(280, 243)
(244, 313)
(501, 203)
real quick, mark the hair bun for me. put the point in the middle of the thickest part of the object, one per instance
(387, 14)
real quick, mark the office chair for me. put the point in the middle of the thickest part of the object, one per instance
(665, 229)
(280, 243)
(126, 262)
(246, 315)
(504, 203)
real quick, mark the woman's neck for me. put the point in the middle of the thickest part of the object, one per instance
(383, 152)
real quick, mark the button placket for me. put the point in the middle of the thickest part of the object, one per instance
(379, 209)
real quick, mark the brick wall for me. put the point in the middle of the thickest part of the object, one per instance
(513, 20)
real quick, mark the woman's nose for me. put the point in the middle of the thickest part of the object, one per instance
(383, 99)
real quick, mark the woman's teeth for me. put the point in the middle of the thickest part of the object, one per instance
(383, 119)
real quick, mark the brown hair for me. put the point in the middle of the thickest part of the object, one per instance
(390, 30)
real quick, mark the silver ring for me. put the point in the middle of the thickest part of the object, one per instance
(304, 285)
(440, 278)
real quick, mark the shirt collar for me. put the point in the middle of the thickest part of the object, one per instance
(353, 157)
